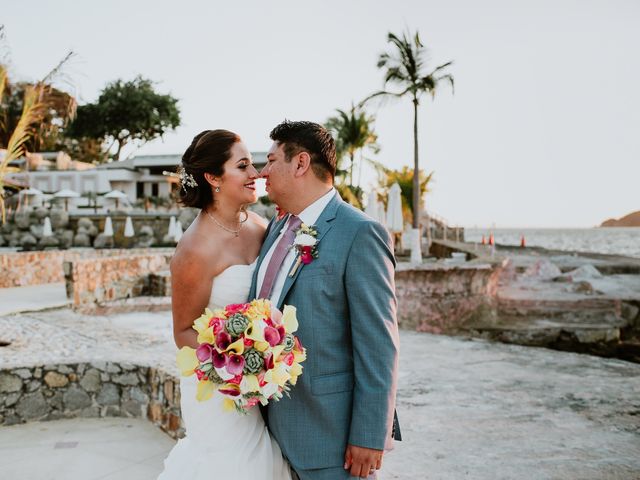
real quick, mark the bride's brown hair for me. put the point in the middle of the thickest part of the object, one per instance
(207, 153)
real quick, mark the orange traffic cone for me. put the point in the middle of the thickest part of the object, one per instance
(523, 242)
(491, 241)
(483, 241)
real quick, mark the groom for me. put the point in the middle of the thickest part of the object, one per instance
(340, 416)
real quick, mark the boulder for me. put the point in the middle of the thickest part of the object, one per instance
(59, 218)
(28, 241)
(81, 240)
(543, 270)
(103, 241)
(65, 238)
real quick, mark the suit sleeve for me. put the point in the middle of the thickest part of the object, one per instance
(370, 288)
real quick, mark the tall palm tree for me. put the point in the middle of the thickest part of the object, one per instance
(39, 99)
(405, 67)
(354, 133)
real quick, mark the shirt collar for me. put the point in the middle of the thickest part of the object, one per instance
(310, 215)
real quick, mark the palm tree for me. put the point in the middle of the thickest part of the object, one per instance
(39, 99)
(405, 68)
(354, 133)
(404, 178)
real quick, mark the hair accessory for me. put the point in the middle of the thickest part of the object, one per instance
(186, 179)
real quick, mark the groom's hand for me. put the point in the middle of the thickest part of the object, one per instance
(362, 461)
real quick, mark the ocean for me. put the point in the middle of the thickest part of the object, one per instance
(619, 241)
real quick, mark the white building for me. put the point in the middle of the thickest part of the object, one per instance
(138, 177)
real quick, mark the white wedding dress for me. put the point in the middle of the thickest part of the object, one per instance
(219, 444)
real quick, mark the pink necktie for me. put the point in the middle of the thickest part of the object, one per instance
(279, 253)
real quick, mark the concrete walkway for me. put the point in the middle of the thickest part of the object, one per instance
(32, 298)
(83, 449)
(469, 409)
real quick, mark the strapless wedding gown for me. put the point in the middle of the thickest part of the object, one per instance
(219, 444)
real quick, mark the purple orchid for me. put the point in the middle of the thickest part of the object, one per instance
(235, 364)
(203, 352)
(272, 336)
(223, 340)
(219, 359)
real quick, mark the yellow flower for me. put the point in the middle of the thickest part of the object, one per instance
(255, 332)
(261, 346)
(289, 318)
(249, 384)
(187, 361)
(202, 322)
(206, 336)
(260, 308)
(205, 390)
(228, 405)
(279, 374)
(299, 356)
(236, 347)
(277, 351)
(295, 372)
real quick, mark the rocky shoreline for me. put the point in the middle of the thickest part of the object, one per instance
(572, 301)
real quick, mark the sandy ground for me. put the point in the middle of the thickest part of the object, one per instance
(469, 409)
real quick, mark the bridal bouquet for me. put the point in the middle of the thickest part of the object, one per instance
(247, 352)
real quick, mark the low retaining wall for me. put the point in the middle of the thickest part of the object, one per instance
(97, 389)
(94, 281)
(440, 298)
(21, 269)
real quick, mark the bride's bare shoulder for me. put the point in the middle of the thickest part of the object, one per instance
(195, 255)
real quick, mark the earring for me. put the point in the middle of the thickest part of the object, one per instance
(217, 189)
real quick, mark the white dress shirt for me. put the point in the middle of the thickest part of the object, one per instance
(308, 216)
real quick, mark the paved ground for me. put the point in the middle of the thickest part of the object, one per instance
(83, 449)
(469, 409)
(38, 297)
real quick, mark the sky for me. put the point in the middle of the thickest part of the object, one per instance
(543, 129)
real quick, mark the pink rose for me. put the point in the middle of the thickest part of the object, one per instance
(288, 359)
(306, 255)
(217, 324)
(236, 308)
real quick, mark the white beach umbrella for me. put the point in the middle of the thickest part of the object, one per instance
(30, 192)
(177, 234)
(108, 227)
(172, 227)
(116, 195)
(128, 228)
(47, 231)
(372, 207)
(395, 222)
(66, 194)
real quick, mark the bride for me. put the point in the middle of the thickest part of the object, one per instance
(212, 266)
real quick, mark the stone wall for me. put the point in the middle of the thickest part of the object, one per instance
(97, 389)
(94, 281)
(19, 269)
(440, 298)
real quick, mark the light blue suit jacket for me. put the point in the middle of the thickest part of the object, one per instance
(346, 307)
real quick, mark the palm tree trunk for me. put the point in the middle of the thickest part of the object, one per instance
(416, 234)
(351, 156)
(416, 170)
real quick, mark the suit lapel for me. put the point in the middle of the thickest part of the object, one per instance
(323, 225)
(273, 230)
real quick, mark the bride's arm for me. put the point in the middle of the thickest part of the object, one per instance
(191, 282)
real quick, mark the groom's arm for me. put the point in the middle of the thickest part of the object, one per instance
(370, 288)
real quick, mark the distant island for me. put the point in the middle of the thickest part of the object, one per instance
(631, 220)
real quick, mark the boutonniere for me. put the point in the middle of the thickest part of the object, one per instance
(306, 243)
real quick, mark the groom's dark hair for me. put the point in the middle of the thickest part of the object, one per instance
(308, 137)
